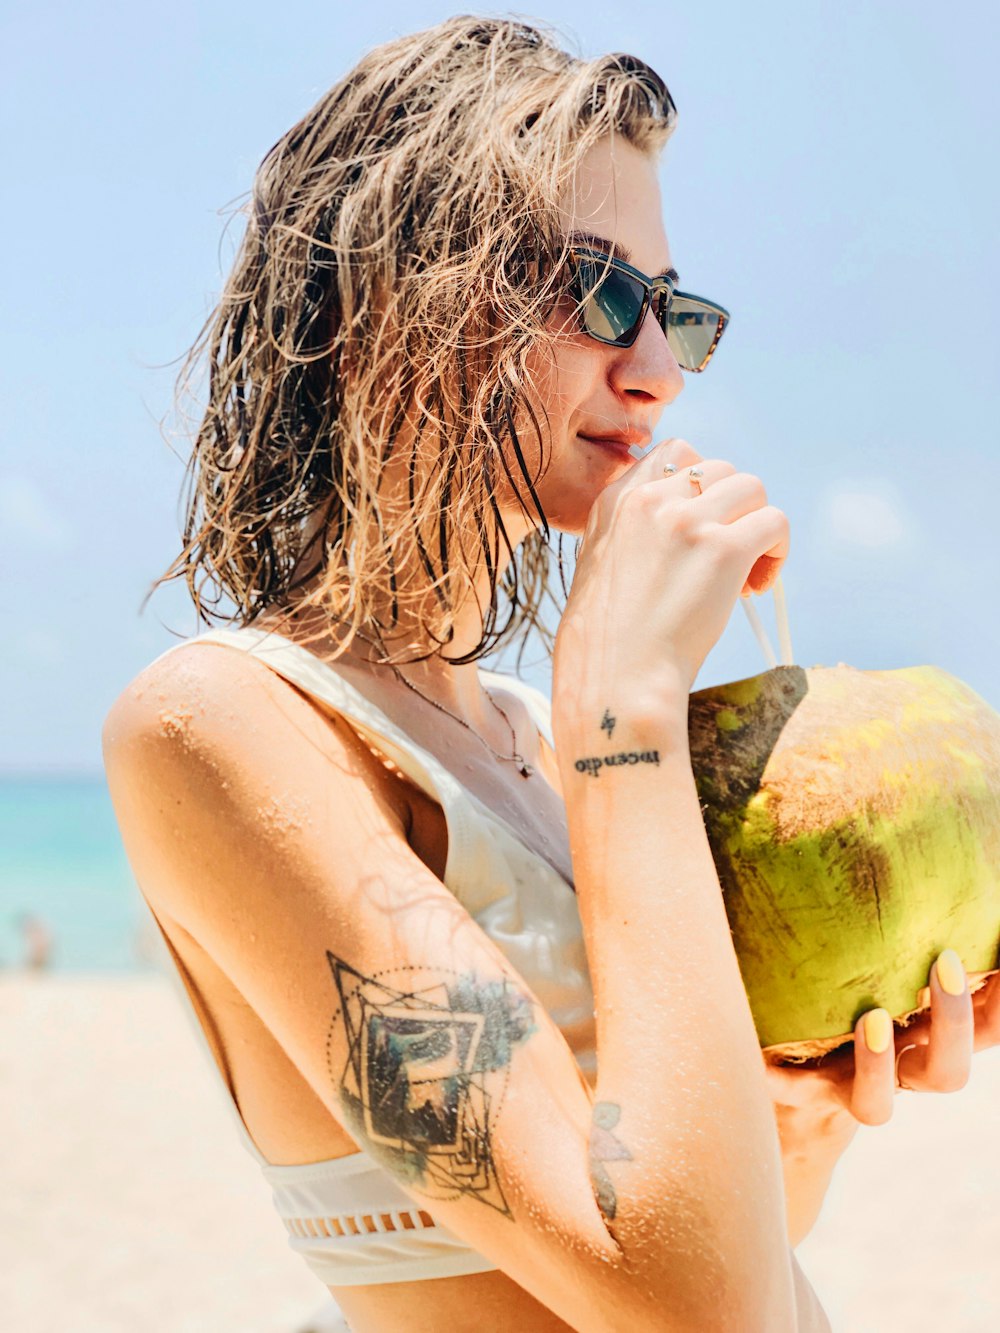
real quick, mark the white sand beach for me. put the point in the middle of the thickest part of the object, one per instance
(128, 1202)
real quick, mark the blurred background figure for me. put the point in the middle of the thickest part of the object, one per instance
(37, 941)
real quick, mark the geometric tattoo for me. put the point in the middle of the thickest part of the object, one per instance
(604, 1147)
(420, 1087)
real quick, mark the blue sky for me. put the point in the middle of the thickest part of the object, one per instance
(829, 182)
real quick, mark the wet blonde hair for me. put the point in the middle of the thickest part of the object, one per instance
(402, 252)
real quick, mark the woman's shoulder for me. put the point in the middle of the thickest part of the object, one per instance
(204, 704)
(202, 683)
(172, 693)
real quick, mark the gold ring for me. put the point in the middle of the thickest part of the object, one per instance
(693, 474)
(899, 1082)
(670, 469)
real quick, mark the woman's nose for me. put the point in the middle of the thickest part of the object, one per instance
(648, 366)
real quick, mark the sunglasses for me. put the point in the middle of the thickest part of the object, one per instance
(613, 298)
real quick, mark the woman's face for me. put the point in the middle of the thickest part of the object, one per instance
(588, 388)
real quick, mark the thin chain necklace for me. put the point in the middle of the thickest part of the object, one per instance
(523, 767)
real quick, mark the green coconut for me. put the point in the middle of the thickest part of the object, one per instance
(854, 819)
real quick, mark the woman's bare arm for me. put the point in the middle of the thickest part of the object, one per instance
(684, 1126)
(262, 837)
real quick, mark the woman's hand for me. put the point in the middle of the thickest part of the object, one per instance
(819, 1110)
(858, 1084)
(659, 571)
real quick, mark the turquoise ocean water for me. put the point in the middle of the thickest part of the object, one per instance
(62, 860)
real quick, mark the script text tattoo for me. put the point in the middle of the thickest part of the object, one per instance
(594, 763)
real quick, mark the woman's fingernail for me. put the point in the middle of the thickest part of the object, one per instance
(951, 973)
(878, 1030)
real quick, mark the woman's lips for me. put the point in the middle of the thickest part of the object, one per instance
(618, 447)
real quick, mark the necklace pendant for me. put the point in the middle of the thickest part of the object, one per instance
(525, 770)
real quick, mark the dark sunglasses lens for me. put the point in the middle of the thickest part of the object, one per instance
(692, 331)
(611, 300)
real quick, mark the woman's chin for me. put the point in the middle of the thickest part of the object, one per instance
(568, 508)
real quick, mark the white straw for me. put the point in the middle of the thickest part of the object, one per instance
(781, 616)
(758, 628)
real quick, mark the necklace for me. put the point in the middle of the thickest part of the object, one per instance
(523, 767)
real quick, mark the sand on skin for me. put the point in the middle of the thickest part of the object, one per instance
(129, 1202)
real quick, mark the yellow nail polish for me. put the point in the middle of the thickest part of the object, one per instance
(951, 973)
(878, 1030)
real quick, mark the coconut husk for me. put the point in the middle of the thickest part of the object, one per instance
(854, 819)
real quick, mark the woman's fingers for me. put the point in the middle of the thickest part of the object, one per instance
(681, 453)
(933, 1054)
(941, 1063)
(874, 1068)
(944, 1062)
(986, 1008)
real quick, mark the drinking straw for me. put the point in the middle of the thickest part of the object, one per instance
(781, 616)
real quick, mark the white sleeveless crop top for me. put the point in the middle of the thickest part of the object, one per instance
(347, 1217)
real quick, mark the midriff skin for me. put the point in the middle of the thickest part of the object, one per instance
(289, 1123)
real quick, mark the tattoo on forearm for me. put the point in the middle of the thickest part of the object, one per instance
(593, 766)
(426, 1073)
(605, 1147)
(608, 723)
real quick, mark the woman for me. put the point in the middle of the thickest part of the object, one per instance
(406, 922)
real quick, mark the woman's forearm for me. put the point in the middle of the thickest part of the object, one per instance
(685, 1146)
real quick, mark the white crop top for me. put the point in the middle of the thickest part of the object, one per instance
(347, 1217)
